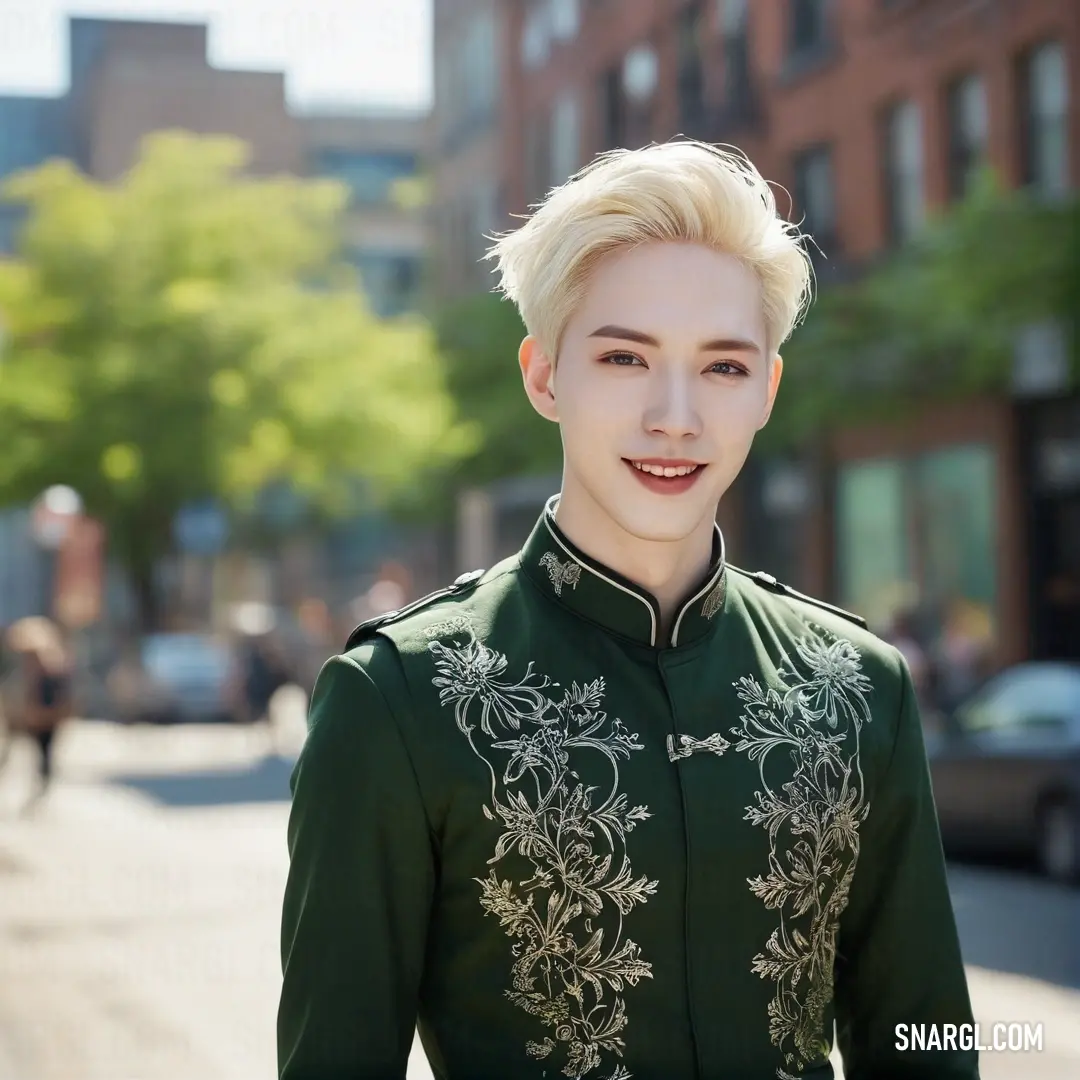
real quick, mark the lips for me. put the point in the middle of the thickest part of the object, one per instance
(665, 477)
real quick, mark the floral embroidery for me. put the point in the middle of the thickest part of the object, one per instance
(568, 573)
(715, 600)
(456, 624)
(567, 974)
(813, 824)
(714, 744)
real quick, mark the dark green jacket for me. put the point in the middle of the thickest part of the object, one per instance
(566, 847)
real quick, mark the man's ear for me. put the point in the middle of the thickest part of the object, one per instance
(776, 371)
(538, 374)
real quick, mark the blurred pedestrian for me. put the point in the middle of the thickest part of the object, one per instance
(264, 671)
(963, 652)
(901, 635)
(47, 678)
(317, 641)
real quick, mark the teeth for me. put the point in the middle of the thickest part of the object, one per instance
(665, 470)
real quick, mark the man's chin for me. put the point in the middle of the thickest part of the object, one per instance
(653, 521)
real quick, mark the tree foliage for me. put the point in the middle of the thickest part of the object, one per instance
(478, 339)
(938, 320)
(192, 332)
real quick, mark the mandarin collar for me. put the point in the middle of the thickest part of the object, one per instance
(562, 571)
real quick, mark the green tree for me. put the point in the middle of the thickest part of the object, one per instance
(936, 320)
(192, 332)
(478, 339)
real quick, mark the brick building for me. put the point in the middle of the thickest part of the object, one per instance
(386, 238)
(871, 114)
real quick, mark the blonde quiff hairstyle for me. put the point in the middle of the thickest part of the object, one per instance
(683, 190)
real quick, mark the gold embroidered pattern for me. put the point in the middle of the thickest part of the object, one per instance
(456, 624)
(568, 573)
(715, 600)
(566, 974)
(812, 817)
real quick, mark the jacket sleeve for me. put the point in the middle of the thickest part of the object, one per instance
(359, 891)
(898, 953)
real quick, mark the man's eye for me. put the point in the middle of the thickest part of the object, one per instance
(621, 359)
(726, 367)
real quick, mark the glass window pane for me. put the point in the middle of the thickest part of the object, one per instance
(873, 569)
(369, 175)
(1049, 92)
(954, 496)
(732, 16)
(565, 19)
(565, 138)
(953, 509)
(906, 168)
(1048, 95)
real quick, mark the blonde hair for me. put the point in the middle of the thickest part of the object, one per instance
(682, 190)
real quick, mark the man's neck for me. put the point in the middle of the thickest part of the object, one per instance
(668, 570)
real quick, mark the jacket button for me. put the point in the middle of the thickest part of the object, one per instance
(469, 578)
(767, 579)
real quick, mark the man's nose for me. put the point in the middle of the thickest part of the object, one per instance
(672, 409)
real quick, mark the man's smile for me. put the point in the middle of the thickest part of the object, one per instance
(667, 476)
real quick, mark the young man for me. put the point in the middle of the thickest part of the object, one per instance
(616, 808)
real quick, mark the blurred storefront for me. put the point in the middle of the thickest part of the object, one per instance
(1050, 449)
(961, 523)
(926, 523)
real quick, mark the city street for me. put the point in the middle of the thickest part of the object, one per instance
(139, 909)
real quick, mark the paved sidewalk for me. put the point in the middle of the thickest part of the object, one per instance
(139, 916)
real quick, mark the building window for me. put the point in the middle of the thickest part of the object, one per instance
(613, 108)
(626, 97)
(904, 171)
(480, 65)
(816, 196)
(1045, 111)
(536, 37)
(482, 219)
(390, 280)
(691, 70)
(369, 174)
(537, 156)
(639, 76)
(565, 19)
(916, 537)
(808, 26)
(565, 138)
(969, 132)
(467, 81)
(735, 32)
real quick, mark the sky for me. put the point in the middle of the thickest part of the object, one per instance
(333, 52)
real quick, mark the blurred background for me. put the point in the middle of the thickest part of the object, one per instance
(255, 388)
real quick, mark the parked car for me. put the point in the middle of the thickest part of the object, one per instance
(1006, 768)
(176, 678)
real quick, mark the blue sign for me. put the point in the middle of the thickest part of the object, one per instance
(201, 529)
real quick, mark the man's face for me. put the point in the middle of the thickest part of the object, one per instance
(662, 366)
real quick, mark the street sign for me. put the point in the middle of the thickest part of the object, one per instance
(201, 529)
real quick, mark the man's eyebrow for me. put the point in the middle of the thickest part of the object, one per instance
(624, 333)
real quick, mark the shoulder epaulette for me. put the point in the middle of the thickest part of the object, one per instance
(769, 582)
(461, 585)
